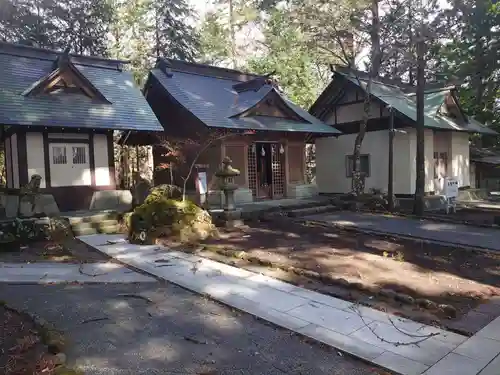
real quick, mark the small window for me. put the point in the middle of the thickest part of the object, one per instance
(79, 155)
(59, 155)
(364, 161)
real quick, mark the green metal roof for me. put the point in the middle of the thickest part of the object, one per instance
(405, 104)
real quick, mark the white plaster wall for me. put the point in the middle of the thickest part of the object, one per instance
(442, 143)
(36, 161)
(430, 184)
(102, 172)
(354, 112)
(331, 156)
(460, 168)
(15, 160)
(429, 159)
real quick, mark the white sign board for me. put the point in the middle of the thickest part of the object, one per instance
(202, 182)
(450, 188)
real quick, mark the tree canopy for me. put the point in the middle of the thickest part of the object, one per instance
(297, 39)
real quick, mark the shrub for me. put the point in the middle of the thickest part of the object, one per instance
(164, 191)
(22, 231)
(159, 216)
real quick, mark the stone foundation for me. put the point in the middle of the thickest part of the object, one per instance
(241, 196)
(300, 191)
(114, 200)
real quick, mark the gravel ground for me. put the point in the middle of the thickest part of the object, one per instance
(139, 329)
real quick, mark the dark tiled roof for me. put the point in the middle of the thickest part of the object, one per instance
(208, 93)
(24, 66)
(402, 99)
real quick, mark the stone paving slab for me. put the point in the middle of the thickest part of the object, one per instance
(390, 341)
(493, 367)
(458, 234)
(52, 272)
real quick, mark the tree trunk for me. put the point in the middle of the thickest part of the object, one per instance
(358, 178)
(411, 77)
(157, 34)
(418, 208)
(232, 28)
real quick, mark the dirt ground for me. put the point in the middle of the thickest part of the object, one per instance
(21, 349)
(70, 250)
(459, 278)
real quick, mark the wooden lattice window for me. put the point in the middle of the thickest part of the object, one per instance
(252, 168)
(278, 173)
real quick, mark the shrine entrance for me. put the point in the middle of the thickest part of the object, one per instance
(266, 175)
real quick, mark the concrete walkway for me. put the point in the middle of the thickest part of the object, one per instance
(162, 329)
(461, 235)
(395, 343)
(52, 273)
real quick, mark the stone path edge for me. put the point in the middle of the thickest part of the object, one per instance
(395, 235)
(433, 218)
(263, 320)
(129, 266)
(310, 338)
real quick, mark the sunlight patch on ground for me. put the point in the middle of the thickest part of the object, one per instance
(330, 235)
(119, 305)
(438, 226)
(159, 349)
(344, 222)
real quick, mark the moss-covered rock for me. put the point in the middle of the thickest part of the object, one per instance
(164, 191)
(160, 217)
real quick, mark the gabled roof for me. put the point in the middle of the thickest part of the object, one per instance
(402, 98)
(109, 98)
(65, 75)
(220, 97)
(485, 155)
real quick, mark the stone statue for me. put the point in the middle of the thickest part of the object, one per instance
(141, 189)
(27, 196)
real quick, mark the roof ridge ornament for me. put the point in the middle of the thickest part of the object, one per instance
(255, 84)
(63, 59)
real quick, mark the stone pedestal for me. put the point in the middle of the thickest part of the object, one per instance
(231, 215)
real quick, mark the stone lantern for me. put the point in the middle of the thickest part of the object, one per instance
(231, 215)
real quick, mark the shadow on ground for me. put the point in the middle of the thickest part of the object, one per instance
(163, 329)
(446, 275)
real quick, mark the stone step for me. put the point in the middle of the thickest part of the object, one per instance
(312, 210)
(82, 225)
(107, 223)
(111, 229)
(105, 226)
(91, 217)
(84, 231)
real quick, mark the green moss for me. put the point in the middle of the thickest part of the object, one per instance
(164, 192)
(159, 217)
